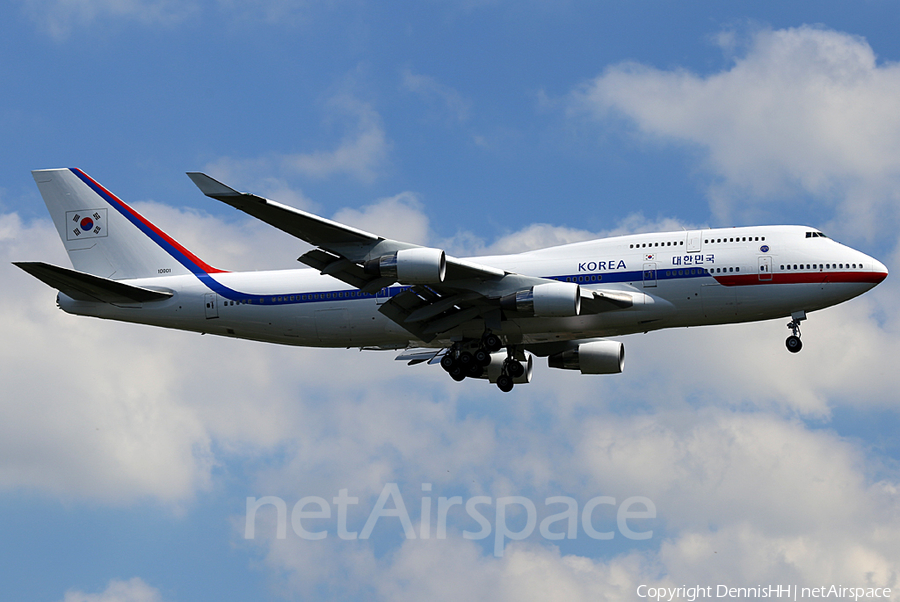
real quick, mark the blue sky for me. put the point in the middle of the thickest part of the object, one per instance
(127, 454)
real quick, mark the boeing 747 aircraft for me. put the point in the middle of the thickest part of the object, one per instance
(483, 317)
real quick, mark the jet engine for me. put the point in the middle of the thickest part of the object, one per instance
(420, 265)
(551, 300)
(596, 357)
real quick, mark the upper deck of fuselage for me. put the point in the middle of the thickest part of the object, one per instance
(709, 251)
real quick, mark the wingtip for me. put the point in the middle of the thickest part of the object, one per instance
(210, 186)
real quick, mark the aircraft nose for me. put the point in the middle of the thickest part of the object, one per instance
(879, 271)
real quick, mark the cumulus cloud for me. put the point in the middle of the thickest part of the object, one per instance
(802, 111)
(742, 498)
(362, 152)
(86, 413)
(133, 590)
(400, 217)
(60, 17)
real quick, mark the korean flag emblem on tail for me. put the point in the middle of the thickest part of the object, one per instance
(88, 223)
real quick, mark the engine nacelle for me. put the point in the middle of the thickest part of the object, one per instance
(551, 300)
(596, 357)
(420, 265)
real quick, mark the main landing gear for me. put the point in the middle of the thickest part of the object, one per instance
(511, 370)
(471, 359)
(793, 342)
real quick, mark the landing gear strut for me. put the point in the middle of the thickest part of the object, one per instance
(793, 342)
(512, 369)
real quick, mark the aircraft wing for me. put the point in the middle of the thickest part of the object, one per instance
(458, 290)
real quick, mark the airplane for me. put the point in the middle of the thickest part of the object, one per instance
(481, 317)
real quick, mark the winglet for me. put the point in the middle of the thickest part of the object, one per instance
(210, 186)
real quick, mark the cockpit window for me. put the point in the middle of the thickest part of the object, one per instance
(815, 235)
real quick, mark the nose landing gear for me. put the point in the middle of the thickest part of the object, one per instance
(793, 342)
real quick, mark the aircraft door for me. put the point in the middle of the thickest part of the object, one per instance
(649, 274)
(765, 268)
(212, 307)
(694, 241)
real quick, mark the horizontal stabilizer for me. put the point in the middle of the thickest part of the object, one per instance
(86, 287)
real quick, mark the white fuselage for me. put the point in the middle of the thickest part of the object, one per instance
(676, 279)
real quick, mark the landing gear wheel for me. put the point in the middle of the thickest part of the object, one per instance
(793, 344)
(492, 342)
(447, 362)
(475, 371)
(515, 368)
(482, 357)
(466, 359)
(457, 373)
(505, 383)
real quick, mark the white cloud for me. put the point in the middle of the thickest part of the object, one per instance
(540, 236)
(60, 17)
(434, 91)
(133, 590)
(742, 498)
(362, 152)
(400, 217)
(802, 111)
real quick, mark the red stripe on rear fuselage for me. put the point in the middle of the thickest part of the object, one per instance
(174, 243)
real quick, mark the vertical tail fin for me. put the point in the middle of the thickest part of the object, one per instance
(104, 236)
